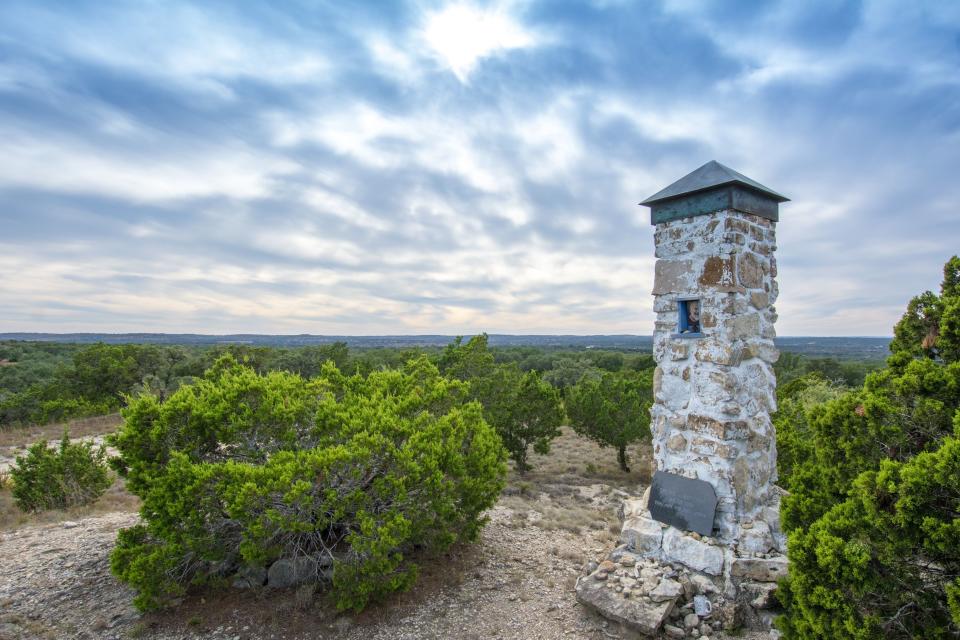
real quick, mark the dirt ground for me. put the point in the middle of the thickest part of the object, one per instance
(84, 427)
(517, 581)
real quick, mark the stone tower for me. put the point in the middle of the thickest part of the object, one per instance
(714, 387)
(703, 549)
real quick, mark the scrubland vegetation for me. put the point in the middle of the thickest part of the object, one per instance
(346, 476)
(364, 462)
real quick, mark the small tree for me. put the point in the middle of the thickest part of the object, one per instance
(67, 476)
(568, 372)
(613, 410)
(931, 325)
(469, 361)
(524, 409)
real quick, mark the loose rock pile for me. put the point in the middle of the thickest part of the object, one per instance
(681, 583)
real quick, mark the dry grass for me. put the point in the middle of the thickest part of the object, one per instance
(549, 496)
(576, 461)
(116, 498)
(80, 428)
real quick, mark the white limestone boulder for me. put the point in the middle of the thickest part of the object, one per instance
(692, 553)
(642, 535)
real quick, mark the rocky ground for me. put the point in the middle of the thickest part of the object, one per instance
(516, 582)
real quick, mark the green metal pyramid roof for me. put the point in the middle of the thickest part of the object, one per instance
(709, 176)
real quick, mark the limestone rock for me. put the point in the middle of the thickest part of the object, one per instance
(719, 353)
(691, 621)
(672, 276)
(759, 569)
(771, 514)
(760, 595)
(642, 535)
(637, 614)
(250, 577)
(723, 429)
(621, 552)
(677, 442)
(759, 299)
(756, 539)
(645, 499)
(764, 350)
(717, 273)
(695, 554)
(673, 632)
(289, 572)
(751, 271)
(703, 584)
(679, 351)
(651, 573)
(744, 327)
(668, 589)
(633, 507)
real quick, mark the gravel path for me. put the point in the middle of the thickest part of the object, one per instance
(515, 583)
(55, 581)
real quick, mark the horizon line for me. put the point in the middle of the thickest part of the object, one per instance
(3, 334)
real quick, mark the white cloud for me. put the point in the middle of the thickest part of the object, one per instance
(33, 160)
(392, 56)
(432, 139)
(461, 35)
(550, 140)
(337, 205)
(885, 35)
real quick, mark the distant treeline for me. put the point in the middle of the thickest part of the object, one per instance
(42, 382)
(842, 348)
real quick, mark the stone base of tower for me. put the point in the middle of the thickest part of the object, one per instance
(661, 580)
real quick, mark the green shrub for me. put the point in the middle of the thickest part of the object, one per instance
(873, 512)
(895, 416)
(240, 470)
(797, 401)
(70, 475)
(885, 562)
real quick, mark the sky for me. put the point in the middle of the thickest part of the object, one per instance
(363, 168)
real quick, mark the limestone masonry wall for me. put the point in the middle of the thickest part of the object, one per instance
(714, 394)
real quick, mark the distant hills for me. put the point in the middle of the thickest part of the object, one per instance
(852, 348)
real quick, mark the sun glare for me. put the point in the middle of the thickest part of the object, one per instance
(460, 35)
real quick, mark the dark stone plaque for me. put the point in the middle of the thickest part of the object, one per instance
(684, 503)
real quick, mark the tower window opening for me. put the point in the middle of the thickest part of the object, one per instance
(688, 321)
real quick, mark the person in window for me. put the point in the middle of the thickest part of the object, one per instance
(693, 316)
